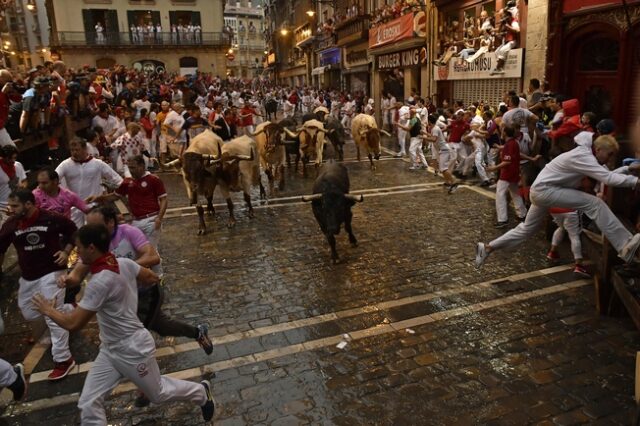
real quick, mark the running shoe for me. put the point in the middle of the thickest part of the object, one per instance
(19, 387)
(629, 250)
(481, 255)
(209, 407)
(581, 271)
(521, 219)
(500, 225)
(553, 256)
(485, 183)
(61, 369)
(453, 188)
(203, 338)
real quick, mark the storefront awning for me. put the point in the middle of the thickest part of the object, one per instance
(318, 70)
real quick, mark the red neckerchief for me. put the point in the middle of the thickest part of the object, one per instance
(28, 221)
(9, 169)
(106, 262)
(86, 160)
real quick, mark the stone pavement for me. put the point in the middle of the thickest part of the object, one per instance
(403, 331)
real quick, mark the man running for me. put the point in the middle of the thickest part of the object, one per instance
(127, 349)
(555, 187)
(43, 241)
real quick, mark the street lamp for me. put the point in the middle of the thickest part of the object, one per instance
(284, 31)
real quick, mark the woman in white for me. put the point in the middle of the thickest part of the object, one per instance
(556, 186)
(287, 107)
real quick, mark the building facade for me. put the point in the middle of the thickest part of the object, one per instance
(24, 30)
(176, 35)
(594, 56)
(245, 21)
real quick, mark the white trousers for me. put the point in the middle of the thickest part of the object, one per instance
(46, 286)
(503, 51)
(402, 138)
(5, 138)
(7, 375)
(415, 152)
(132, 358)
(458, 156)
(148, 228)
(477, 159)
(502, 188)
(553, 196)
(569, 222)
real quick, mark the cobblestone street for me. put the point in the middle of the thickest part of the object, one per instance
(403, 331)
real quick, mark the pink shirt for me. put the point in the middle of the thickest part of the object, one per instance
(61, 203)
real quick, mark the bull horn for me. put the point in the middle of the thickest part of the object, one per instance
(307, 198)
(211, 158)
(171, 164)
(356, 198)
(384, 132)
(290, 133)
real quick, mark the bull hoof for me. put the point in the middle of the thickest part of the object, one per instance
(373, 168)
(231, 224)
(250, 214)
(336, 260)
(354, 244)
(202, 231)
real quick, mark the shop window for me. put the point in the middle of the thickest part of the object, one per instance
(599, 54)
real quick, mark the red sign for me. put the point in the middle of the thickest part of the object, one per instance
(584, 5)
(398, 29)
(231, 56)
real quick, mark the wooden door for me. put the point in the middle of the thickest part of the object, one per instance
(593, 76)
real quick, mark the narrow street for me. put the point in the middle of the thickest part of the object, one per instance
(403, 331)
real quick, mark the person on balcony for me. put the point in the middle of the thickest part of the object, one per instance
(159, 32)
(133, 32)
(197, 33)
(174, 34)
(511, 29)
(99, 33)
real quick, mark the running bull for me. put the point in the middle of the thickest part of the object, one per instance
(311, 140)
(208, 163)
(271, 141)
(331, 204)
(367, 136)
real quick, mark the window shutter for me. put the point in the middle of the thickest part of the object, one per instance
(131, 18)
(195, 18)
(89, 26)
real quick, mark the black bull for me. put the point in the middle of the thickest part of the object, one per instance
(331, 204)
(271, 107)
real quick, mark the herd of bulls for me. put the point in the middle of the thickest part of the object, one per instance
(234, 166)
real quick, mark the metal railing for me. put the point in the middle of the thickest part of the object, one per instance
(112, 39)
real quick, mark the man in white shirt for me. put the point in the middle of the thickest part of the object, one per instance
(105, 120)
(99, 33)
(520, 118)
(127, 349)
(403, 121)
(12, 176)
(556, 186)
(140, 104)
(172, 136)
(83, 175)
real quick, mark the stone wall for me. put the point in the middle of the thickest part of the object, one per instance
(536, 42)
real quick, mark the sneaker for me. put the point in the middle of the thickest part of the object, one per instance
(61, 369)
(485, 183)
(209, 407)
(629, 250)
(203, 338)
(413, 168)
(481, 255)
(521, 219)
(19, 387)
(500, 225)
(400, 155)
(581, 271)
(453, 188)
(493, 186)
(553, 256)
(141, 400)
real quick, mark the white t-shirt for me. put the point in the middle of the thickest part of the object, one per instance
(476, 139)
(518, 117)
(441, 142)
(85, 179)
(175, 121)
(114, 297)
(107, 124)
(5, 188)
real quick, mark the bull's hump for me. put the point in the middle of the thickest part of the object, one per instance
(313, 123)
(205, 143)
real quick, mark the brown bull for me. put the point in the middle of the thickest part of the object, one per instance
(270, 139)
(207, 163)
(367, 136)
(311, 136)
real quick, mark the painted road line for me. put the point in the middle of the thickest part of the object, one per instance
(393, 327)
(332, 316)
(480, 191)
(297, 197)
(299, 203)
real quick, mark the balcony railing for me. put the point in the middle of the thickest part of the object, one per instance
(125, 39)
(353, 30)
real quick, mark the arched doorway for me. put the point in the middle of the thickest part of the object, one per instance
(593, 69)
(105, 63)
